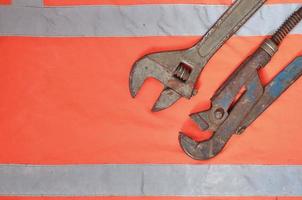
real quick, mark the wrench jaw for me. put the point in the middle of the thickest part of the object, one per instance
(166, 99)
(168, 68)
(199, 150)
(141, 70)
(221, 123)
(201, 119)
(210, 119)
(207, 149)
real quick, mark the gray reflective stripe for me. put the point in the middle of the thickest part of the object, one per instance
(37, 3)
(151, 180)
(140, 20)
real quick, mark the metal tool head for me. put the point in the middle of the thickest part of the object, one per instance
(197, 150)
(236, 123)
(172, 69)
(179, 70)
(223, 122)
(208, 120)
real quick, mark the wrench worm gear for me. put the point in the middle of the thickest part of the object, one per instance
(226, 117)
(179, 70)
(286, 27)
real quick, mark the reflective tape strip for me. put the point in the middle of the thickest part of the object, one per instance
(151, 180)
(37, 3)
(141, 20)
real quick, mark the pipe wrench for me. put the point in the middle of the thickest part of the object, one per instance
(229, 115)
(179, 70)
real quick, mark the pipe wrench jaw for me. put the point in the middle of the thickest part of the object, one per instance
(222, 126)
(194, 149)
(210, 119)
(177, 74)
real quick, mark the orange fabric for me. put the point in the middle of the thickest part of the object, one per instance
(134, 2)
(66, 100)
(5, 2)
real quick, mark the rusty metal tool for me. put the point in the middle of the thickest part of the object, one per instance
(179, 70)
(229, 114)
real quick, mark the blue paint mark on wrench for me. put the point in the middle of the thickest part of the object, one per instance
(285, 77)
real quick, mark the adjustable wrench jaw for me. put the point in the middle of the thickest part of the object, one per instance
(179, 70)
(173, 69)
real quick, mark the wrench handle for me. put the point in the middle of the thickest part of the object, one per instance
(232, 19)
(273, 91)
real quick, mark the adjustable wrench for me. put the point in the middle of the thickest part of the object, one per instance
(228, 115)
(179, 70)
